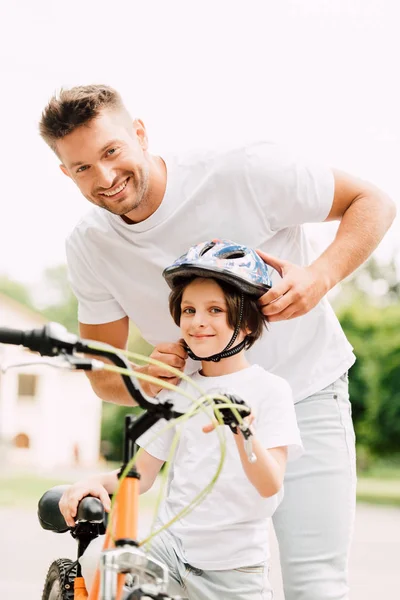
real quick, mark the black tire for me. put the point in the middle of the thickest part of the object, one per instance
(59, 584)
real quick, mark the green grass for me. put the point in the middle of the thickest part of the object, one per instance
(24, 491)
(381, 485)
(378, 490)
(380, 482)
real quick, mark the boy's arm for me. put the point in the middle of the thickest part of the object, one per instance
(267, 472)
(104, 484)
(148, 467)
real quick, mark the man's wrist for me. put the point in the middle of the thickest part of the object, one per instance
(323, 274)
(148, 388)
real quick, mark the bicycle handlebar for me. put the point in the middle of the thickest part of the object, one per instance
(54, 340)
(49, 340)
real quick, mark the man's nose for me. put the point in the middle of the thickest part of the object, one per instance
(105, 176)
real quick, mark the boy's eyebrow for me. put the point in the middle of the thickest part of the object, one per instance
(208, 301)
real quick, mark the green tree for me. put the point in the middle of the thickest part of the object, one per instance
(64, 309)
(16, 290)
(375, 377)
(113, 416)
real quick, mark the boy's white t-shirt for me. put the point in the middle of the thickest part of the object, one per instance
(229, 529)
(256, 195)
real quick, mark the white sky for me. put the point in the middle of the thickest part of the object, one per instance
(319, 75)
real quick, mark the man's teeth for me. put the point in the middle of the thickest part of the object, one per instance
(117, 190)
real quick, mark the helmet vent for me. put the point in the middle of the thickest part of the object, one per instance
(206, 248)
(236, 254)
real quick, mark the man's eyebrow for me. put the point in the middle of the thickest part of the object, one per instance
(76, 164)
(111, 143)
(103, 149)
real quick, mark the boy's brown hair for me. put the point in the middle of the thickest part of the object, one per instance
(252, 319)
(75, 107)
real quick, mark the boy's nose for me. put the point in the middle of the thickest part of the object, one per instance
(199, 319)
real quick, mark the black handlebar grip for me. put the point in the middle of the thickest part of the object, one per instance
(12, 336)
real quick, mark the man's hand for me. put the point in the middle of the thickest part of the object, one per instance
(300, 289)
(172, 354)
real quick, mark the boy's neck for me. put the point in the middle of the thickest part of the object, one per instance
(226, 366)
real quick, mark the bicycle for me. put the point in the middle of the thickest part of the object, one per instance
(122, 554)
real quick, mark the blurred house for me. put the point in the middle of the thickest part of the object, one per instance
(48, 417)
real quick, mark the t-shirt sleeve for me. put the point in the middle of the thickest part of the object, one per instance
(289, 191)
(157, 441)
(276, 423)
(95, 303)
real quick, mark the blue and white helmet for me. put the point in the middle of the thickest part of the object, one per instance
(222, 259)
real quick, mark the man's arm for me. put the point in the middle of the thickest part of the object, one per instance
(110, 386)
(365, 213)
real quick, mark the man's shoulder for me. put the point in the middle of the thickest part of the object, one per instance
(93, 220)
(271, 381)
(225, 157)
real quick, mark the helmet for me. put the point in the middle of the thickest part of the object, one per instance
(222, 259)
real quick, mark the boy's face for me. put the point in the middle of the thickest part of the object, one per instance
(204, 318)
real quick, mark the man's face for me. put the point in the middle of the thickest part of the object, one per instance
(107, 160)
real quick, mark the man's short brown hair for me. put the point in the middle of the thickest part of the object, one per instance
(252, 319)
(72, 108)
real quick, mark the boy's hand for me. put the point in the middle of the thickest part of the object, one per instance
(73, 495)
(211, 426)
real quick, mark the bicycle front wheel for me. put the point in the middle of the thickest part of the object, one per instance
(59, 584)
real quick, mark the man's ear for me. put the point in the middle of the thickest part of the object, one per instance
(141, 133)
(64, 170)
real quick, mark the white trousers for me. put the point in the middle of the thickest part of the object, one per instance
(314, 522)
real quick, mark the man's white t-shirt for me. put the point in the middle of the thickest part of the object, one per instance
(255, 195)
(229, 528)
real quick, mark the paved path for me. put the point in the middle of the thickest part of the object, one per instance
(27, 550)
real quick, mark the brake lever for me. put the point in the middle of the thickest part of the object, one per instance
(230, 420)
(82, 363)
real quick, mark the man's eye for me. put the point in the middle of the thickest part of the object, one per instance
(82, 168)
(111, 151)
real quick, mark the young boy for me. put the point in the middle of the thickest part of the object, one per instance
(219, 550)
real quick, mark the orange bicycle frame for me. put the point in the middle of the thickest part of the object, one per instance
(124, 526)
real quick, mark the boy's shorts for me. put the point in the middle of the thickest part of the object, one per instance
(244, 583)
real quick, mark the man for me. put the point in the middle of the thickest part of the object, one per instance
(149, 209)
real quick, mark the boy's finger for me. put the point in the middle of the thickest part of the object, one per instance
(208, 428)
